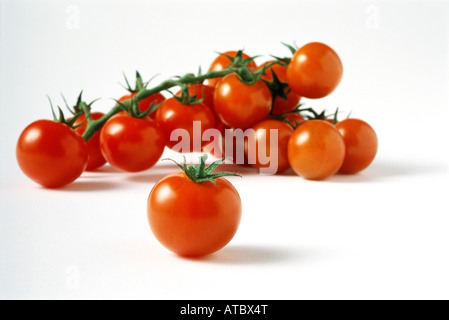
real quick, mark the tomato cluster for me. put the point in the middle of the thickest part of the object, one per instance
(262, 98)
(248, 113)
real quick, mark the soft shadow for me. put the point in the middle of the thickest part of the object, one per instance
(383, 171)
(148, 177)
(89, 186)
(237, 255)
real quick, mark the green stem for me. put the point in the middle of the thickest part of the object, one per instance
(95, 126)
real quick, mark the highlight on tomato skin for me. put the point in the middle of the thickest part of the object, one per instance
(51, 154)
(314, 71)
(361, 145)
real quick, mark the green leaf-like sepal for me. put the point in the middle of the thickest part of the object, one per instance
(203, 173)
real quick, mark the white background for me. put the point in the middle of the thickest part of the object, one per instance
(381, 234)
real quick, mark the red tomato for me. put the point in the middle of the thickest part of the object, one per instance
(261, 147)
(361, 145)
(202, 91)
(145, 104)
(314, 71)
(96, 159)
(132, 144)
(222, 62)
(174, 115)
(51, 153)
(194, 219)
(316, 150)
(281, 105)
(241, 105)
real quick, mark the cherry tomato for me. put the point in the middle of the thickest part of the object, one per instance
(314, 71)
(145, 104)
(262, 145)
(281, 105)
(316, 150)
(361, 145)
(174, 115)
(241, 105)
(51, 153)
(132, 144)
(96, 159)
(205, 92)
(194, 219)
(222, 62)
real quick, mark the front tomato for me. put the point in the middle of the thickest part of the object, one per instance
(192, 215)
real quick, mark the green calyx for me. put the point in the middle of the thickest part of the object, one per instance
(186, 98)
(131, 107)
(202, 173)
(79, 109)
(139, 86)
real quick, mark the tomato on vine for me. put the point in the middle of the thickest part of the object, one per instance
(174, 115)
(144, 104)
(316, 150)
(281, 104)
(361, 145)
(132, 144)
(225, 60)
(195, 212)
(96, 158)
(51, 153)
(314, 71)
(242, 105)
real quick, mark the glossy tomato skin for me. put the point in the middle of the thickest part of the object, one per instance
(241, 105)
(314, 71)
(193, 219)
(174, 115)
(262, 145)
(96, 159)
(132, 144)
(281, 105)
(222, 62)
(361, 145)
(51, 153)
(316, 150)
(145, 104)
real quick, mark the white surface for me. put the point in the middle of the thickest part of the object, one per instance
(379, 234)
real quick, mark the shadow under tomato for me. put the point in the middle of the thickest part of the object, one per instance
(89, 186)
(241, 255)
